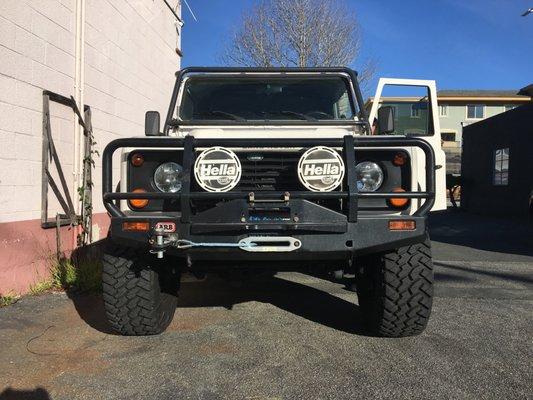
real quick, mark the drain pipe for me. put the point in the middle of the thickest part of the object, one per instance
(79, 82)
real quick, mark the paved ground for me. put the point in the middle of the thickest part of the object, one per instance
(294, 336)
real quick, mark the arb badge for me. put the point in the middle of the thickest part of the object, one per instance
(321, 169)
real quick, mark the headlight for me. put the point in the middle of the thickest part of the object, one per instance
(369, 176)
(168, 177)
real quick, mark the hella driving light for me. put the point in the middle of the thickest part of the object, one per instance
(167, 177)
(369, 176)
(321, 169)
(217, 169)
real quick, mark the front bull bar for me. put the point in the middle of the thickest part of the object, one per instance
(189, 144)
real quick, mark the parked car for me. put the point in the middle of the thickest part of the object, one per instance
(274, 169)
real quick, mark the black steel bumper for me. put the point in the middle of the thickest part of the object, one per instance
(324, 234)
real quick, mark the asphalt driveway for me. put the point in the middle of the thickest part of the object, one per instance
(294, 336)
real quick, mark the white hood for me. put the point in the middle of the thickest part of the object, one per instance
(265, 131)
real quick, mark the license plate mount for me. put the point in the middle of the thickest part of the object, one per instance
(275, 214)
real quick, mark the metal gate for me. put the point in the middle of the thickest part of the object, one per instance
(60, 188)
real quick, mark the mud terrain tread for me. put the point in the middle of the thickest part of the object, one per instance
(395, 291)
(133, 299)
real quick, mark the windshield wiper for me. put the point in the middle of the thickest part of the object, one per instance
(226, 114)
(297, 114)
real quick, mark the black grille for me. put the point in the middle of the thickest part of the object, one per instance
(265, 170)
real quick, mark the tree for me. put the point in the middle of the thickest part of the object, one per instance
(296, 33)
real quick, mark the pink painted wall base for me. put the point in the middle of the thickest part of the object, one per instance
(26, 251)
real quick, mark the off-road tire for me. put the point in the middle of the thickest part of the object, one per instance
(140, 295)
(395, 290)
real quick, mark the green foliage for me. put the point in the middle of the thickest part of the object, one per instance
(81, 274)
(84, 191)
(41, 287)
(8, 299)
(84, 275)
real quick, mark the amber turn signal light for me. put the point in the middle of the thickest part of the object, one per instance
(139, 203)
(402, 225)
(398, 202)
(137, 160)
(399, 159)
(136, 226)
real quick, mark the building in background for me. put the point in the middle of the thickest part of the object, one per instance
(460, 108)
(457, 109)
(497, 169)
(119, 58)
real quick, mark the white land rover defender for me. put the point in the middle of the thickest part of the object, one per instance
(277, 169)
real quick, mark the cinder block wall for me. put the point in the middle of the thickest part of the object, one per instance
(129, 63)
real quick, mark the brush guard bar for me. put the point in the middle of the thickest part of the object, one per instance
(189, 144)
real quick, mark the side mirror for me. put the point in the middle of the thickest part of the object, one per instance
(386, 120)
(151, 123)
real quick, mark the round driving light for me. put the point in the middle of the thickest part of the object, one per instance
(321, 169)
(138, 203)
(167, 177)
(369, 176)
(217, 169)
(398, 202)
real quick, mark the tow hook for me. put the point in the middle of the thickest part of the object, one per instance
(160, 241)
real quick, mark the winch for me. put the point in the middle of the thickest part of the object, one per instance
(160, 241)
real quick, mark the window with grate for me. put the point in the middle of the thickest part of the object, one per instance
(501, 167)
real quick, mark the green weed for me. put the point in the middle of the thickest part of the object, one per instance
(41, 287)
(78, 273)
(81, 274)
(8, 299)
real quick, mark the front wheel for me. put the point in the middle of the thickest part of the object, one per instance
(140, 294)
(395, 290)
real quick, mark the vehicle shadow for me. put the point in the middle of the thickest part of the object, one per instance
(90, 308)
(299, 299)
(15, 394)
(494, 234)
(451, 272)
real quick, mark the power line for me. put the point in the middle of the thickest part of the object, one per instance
(190, 10)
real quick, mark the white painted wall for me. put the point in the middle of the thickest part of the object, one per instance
(130, 61)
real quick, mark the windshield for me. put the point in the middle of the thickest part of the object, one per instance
(266, 98)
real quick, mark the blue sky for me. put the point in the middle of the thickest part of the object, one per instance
(462, 44)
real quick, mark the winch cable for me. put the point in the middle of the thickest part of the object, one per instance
(187, 244)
